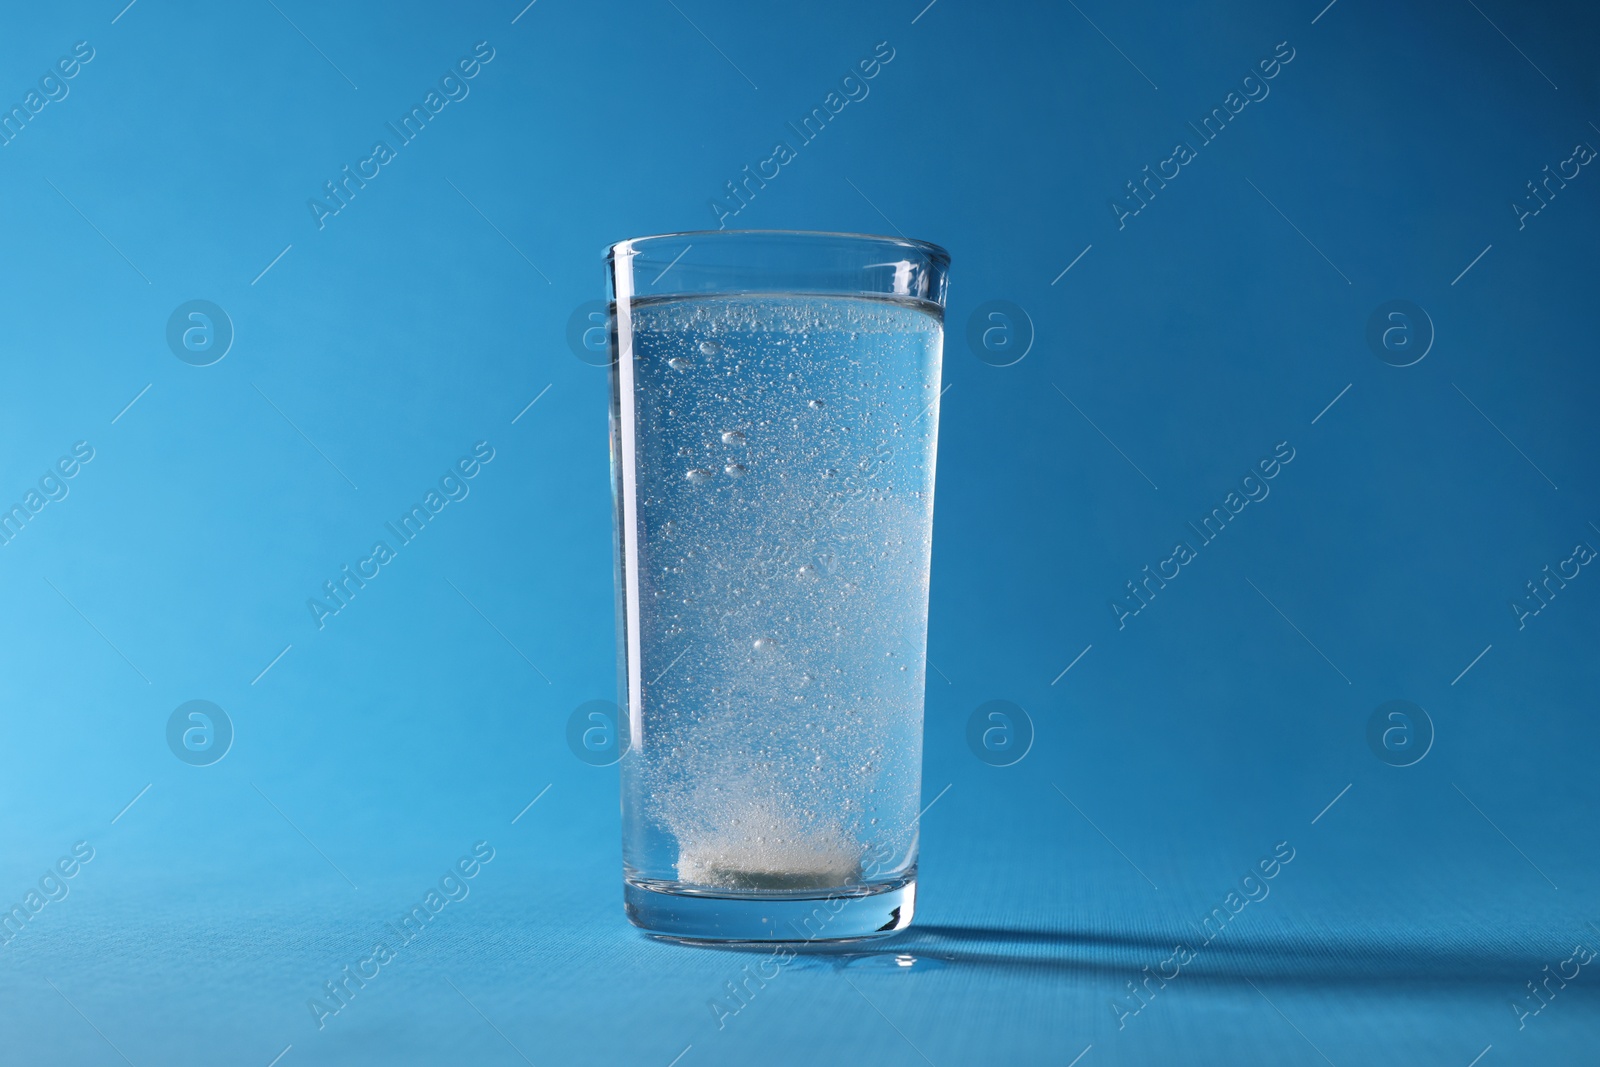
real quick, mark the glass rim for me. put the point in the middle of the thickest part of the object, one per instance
(935, 252)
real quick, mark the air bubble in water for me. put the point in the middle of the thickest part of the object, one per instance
(709, 348)
(678, 363)
(808, 571)
(764, 644)
(698, 476)
(734, 470)
(733, 437)
(816, 405)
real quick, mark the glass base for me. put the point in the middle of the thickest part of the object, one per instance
(671, 910)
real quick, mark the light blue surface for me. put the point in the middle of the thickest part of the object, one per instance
(372, 354)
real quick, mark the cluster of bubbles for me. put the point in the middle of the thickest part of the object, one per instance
(784, 602)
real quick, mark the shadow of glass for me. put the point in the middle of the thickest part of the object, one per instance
(1431, 961)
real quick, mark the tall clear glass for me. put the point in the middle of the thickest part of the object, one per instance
(774, 420)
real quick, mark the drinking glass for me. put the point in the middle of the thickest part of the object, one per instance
(774, 419)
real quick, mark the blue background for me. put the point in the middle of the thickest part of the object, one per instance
(426, 715)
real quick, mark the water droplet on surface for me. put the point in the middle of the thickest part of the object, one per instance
(734, 470)
(895, 963)
(733, 437)
(709, 348)
(816, 405)
(807, 571)
(698, 476)
(765, 644)
(678, 363)
(829, 472)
